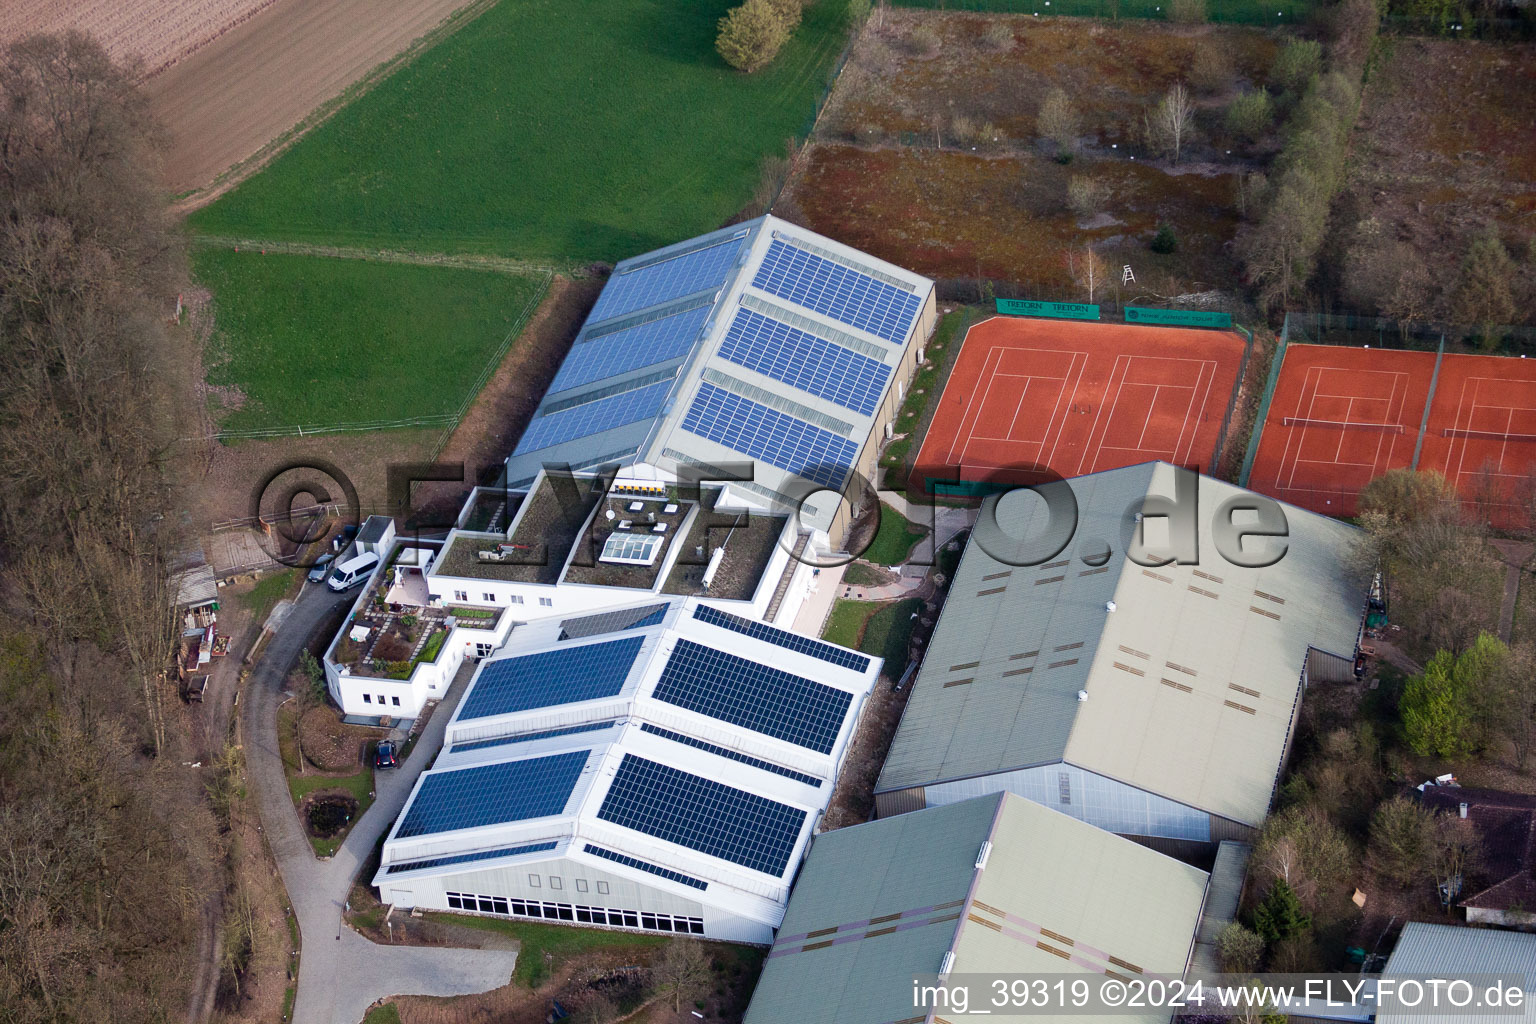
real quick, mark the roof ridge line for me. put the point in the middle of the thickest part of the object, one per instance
(970, 892)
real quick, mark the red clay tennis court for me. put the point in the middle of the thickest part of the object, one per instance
(1482, 430)
(1339, 418)
(1078, 398)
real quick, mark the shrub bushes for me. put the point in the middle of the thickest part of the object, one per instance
(1057, 121)
(923, 41)
(998, 36)
(1251, 115)
(789, 12)
(1296, 65)
(752, 34)
(1165, 241)
(1086, 196)
(1280, 252)
(1211, 70)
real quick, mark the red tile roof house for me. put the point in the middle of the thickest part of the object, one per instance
(1506, 823)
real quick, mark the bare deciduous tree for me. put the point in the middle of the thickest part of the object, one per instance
(1057, 121)
(683, 970)
(1170, 125)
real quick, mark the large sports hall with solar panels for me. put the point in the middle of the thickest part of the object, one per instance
(762, 342)
(658, 766)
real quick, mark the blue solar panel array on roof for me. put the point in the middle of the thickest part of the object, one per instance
(670, 277)
(703, 815)
(493, 793)
(593, 417)
(644, 865)
(779, 440)
(804, 361)
(836, 291)
(562, 676)
(465, 858)
(529, 737)
(830, 653)
(754, 696)
(734, 755)
(583, 626)
(622, 351)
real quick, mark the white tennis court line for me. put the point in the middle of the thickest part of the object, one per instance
(1206, 371)
(1472, 411)
(965, 435)
(1297, 438)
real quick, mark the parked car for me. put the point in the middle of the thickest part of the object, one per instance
(318, 570)
(384, 755)
(354, 572)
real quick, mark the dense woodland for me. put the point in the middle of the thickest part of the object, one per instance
(107, 847)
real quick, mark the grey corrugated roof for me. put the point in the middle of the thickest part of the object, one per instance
(1221, 899)
(852, 877)
(841, 957)
(1442, 950)
(373, 529)
(1171, 674)
(1054, 883)
(195, 585)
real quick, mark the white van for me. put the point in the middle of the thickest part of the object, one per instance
(352, 572)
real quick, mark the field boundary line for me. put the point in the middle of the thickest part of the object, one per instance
(230, 177)
(458, 261)
(307, 430)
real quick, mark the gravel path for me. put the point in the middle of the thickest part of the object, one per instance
(341, 973)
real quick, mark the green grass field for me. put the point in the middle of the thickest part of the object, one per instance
(545, 129)
(311, 340)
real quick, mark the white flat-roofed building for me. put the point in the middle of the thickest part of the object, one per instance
(660, 765)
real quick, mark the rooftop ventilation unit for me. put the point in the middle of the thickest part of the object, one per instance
(1109, 606)
(948, 963)
(983, 854)
(715, 558)
(1082, 695)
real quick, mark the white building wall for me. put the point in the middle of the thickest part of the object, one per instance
(1087, 796)
(429, 681)
(575, 881)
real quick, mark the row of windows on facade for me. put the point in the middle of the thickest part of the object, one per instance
(463, 595)
(575, 914)
(368, 699)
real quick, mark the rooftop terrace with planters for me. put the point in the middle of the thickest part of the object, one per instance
(394, 628)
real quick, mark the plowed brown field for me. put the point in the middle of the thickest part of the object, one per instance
(251, 85)
(160, 32)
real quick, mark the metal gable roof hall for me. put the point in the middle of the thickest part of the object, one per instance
(1185, 690)
(1007, 886)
